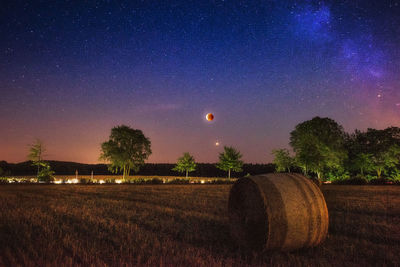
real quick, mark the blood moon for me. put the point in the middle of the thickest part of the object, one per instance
(209, 116)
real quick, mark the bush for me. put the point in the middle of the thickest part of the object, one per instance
(136, 181)
(337, 175)
(145, 181)
(371, 177)
(154, 181)
(218, 181)
(179, 181)
(351, 181)
(45, 175)
(395, 176)
(85, 181)
(381, 181)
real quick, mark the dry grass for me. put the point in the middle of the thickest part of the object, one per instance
(185, 225)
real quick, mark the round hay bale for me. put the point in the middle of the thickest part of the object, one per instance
(277, 211)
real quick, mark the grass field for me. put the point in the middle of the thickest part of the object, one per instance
(183, 225)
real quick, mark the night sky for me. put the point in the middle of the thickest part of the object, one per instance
(70, 71)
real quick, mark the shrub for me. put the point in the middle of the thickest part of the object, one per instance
(219, 181)
(351, 181)
(136, 181)
(395, 176)
(371, 177)
(85, 181)
(337, 175)
(379, 181)
(45, 174)
(154, 181)
(179, 181)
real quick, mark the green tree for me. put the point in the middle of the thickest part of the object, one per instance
(230, 160)
(381, 145)
(45, 174)
(126, 150)
(282, 160)
(319, 145)
(386, 160)
(186, 164)
(363, 162)
(36, 152)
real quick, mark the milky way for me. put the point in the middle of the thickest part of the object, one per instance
(71, 71)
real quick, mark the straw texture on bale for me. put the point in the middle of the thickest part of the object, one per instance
(277, 211)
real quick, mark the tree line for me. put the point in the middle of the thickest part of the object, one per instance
(148, 169)
(321, 148)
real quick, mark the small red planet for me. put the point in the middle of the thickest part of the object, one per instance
(209, 116)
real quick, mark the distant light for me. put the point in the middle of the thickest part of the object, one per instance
(57, 181)
(217, 143)
(379, 95)
(202, 181)
(101, 182)
(118, 181)
(73, 181)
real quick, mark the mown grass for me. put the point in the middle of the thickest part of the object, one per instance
(185, 225)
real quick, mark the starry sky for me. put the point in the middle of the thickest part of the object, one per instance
(71, 70)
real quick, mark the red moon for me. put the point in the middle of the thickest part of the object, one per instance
(209, 116)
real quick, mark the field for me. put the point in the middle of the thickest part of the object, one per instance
(183, 225)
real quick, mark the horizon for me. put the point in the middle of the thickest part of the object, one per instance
(173, 162)
(102, 163)
(69, 72)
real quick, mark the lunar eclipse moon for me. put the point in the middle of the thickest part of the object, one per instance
(209, 116)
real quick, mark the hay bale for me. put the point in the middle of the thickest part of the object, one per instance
(277, 211)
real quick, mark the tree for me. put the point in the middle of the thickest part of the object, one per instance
(386, 160)
(36, 152)
(186, 164)
(363, 162)
(319, 145)
(382, 146)
(282, 160)
(126, 150)
(45, 174)
(229, 160)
